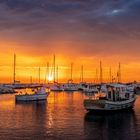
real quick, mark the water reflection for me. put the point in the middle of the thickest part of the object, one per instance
(63, 116)
(31, 117)
(24, 121)
(117, 126)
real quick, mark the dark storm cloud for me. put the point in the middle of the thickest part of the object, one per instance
(98, 12)
(91, 21)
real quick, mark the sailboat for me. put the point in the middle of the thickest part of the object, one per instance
(70, 86)
(55, 86)
(39, 93)
(16, 84)
(82, 84)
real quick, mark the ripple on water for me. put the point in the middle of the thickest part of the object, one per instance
(63, 117)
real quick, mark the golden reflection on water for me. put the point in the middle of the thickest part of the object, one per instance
(7, 102)
(62, 110)
(61, 116)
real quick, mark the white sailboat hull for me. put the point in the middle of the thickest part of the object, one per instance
(56, 88)
(32, 97)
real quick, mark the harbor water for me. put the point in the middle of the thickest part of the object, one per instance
(63, 117)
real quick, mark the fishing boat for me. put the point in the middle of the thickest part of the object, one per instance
(38, 94)
(116, 98)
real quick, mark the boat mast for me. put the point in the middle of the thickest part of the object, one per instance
(48, 69)
(82, 74)
(54, 68)
(71, 71)
(119, 73)
(101, 73)
(39, 75)
(96, 76)
(110, 75)
(14, 74)
(57, 74)
(31, 79)
(47, 72)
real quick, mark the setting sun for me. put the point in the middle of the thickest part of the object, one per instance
(50, 78)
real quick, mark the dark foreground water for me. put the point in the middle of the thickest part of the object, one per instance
(63, 117)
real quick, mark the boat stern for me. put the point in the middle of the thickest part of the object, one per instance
(94, 104)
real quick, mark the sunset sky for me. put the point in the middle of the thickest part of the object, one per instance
(81, 32)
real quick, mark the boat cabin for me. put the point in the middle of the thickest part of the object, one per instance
(118, 92)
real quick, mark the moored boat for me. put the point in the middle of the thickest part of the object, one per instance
(117, 98)
(70, 86)
(6, 89)
(56, 87)
(39, 94)
(90, 88)
(81, 86)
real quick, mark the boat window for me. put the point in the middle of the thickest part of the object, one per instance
(109, 95)
(113, 95)
(118, 89)
(127, 95)
(123, 89)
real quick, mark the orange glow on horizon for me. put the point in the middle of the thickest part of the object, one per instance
(27, 67)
